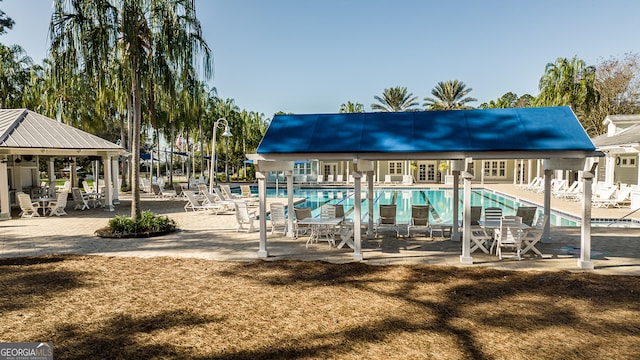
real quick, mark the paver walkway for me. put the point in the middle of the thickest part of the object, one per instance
(208, 236)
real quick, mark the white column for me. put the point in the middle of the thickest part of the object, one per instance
(5, 205)
(515, 172)
(481, 172)
(546, 235)
(52, 177)
(115, 171)
(455, 231)
(585, 231)
(466, 258)
(290, 232)
(529, 162)
(262, 222)
(357, 216)
(610, 166)
(370, 204)
(108, 198)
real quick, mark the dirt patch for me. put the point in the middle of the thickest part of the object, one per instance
(131, 308)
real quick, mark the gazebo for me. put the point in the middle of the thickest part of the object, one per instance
(26, 135)
(552, 134)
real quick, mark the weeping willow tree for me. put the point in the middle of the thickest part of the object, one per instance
(153, 40)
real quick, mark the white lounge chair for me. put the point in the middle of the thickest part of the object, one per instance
(227, 205)
(194, 204)
(622, 197)
(320, 179)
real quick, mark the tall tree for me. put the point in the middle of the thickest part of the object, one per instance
(449, 95)
(142, 34)
(5, 22)
(508, 100)
(15, 75)
(350, 107)
(395, 99)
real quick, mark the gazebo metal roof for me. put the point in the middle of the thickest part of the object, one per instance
(514, 133)
(26, 132)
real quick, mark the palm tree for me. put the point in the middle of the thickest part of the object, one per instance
(350, 107)
(144, 35)
(449, 95)
(395, 99)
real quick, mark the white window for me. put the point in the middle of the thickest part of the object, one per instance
(495, 169)
(302, 169)
(395, 167)
(627, 161)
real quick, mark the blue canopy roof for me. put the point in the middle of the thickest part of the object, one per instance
(517, 130)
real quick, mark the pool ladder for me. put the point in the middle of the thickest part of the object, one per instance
(620, 219)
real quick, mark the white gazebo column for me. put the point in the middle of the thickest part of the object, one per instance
(546, 235)
(610, 166)
(290, 232)
(370, 204)
(585, 231)
(457, 166)
(466, 258)
(108, 197)
(52, 177)
(115, 171)
(262, 210)
(5, 206)
(482, 172)
(357, 216)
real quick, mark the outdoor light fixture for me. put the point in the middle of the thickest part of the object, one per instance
(219, 124)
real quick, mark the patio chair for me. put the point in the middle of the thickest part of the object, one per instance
(492, 214)
(244, 217)
(476, 214)
(82, 203)
(57, 207)
(278, 218)
(532, 236)
(301, 214)
(509, 236)
(387, 219)
(419, 219)
(28, 207)
(527, 213)
(328, 232)
(88, 188)
(194, 204)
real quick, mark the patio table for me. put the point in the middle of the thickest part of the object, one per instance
(317, 224)
(43, 203)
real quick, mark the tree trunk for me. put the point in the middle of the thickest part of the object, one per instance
(135, 148)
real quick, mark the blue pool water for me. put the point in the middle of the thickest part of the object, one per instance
(441, 201)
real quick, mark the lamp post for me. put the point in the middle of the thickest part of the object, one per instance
(219, 124)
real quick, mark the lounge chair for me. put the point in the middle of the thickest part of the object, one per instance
(419, 219)
(278, 218)
(244, 217)
(329, 179)
(28, 207)
(339, 178)
(57, 207)
(194, 204)
(320, 179)
(215, 200)
(622, 197)
(229, 195)
(387, 219)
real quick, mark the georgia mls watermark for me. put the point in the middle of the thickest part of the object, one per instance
(26, 351)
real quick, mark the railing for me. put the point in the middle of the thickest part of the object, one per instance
(622, 218)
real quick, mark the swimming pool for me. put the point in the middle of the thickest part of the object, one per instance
(440, 199)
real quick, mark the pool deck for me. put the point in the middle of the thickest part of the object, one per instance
(207, 236)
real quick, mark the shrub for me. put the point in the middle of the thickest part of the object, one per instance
(124, 226)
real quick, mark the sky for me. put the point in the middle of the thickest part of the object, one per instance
(306, 56)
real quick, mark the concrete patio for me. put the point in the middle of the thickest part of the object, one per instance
(207, 236)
